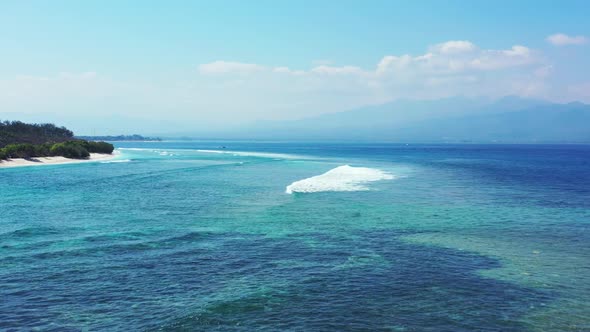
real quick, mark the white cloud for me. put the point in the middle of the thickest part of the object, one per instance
(560, 39)
(500, 59)
(458, 57)
(454, 47)
(330, 70)
(282, 70)
(445, 58)
(447, 69)
(392, 62)
(287, 70)
(234, 92)
(543, 71)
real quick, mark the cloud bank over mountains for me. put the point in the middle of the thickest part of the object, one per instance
(227, 92)
(450, 57)
(446, 69)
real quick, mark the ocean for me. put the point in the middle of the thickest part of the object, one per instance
(252, 236)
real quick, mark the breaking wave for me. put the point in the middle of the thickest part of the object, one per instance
(342, 178)
(116, 161)
(255, 154)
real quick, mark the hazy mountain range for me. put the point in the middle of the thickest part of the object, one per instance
(510, 119)
(457, 119)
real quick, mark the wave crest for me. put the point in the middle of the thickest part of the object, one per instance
(341, 178)
(255, 154)
(116, 161)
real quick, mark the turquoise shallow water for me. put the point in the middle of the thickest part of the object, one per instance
(465, 238)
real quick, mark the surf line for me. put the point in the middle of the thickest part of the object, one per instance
(341, 178)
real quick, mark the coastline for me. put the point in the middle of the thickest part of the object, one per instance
(40, 161)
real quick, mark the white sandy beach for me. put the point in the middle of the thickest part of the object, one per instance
(39, 161)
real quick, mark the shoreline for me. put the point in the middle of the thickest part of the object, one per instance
(41, 161)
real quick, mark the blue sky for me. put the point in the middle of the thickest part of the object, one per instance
(227, 62)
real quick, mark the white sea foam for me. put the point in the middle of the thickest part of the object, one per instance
(255, 154)
(116, 161)
(276, 156)
(342, 178)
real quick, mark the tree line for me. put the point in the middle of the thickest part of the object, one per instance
(23, 140)
(71, 149)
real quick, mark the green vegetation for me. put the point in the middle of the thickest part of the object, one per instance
(70, 149)
(99, 147)
(16, 132)
(21, 140)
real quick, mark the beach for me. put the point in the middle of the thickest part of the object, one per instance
(40, 161)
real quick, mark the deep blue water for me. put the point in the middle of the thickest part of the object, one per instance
(464, 238)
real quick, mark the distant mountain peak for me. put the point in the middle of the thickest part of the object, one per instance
(507, 119)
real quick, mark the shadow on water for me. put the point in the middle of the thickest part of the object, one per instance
(234, 281)
(381, 284)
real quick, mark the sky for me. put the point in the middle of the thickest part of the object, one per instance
(197, 65)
